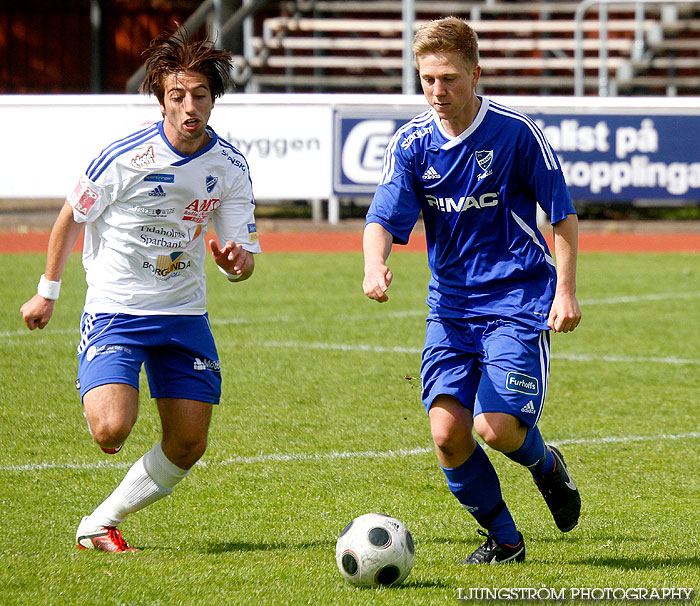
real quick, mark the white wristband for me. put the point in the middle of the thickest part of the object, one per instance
(48, 289)
(230, 277)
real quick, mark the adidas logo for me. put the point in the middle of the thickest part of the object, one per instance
(429, 174)
(529, 408)
(157, 191)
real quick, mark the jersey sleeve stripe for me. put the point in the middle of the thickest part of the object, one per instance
(389, 156)
(225, 143)
(389, 160)
(98, 166)
(545, 147)
(233, 149)
(528, 230)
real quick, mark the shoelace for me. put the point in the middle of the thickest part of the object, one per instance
(484, 548)
(116, 538)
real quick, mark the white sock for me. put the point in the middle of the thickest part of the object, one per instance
(151, 478)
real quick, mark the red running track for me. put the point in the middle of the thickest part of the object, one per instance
(337, 241)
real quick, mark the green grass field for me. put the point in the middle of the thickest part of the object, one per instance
(319, 423)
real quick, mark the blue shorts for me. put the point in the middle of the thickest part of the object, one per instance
(178, 352)
(488, 364)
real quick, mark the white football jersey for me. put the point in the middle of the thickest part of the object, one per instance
(146, 208)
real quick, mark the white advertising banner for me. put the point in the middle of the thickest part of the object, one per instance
(50, 140)
(288, 147)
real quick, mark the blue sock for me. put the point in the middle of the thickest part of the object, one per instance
(533, 454)
(476, 486)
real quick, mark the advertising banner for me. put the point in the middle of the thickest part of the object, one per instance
(626, 157)
(288, 148)
(53, 139)
(306, 147)
(360, 138)
(605, 157)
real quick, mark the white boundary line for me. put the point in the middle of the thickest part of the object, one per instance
(641, 298)
(417, 350)
(34, 334)
(625, 359)
(9, 334)
(337, 347)
(360, 347)
(368, 454)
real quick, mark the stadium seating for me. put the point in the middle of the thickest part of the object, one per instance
(526, 47)
(670, 63)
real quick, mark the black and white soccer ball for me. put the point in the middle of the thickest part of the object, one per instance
(375, 549)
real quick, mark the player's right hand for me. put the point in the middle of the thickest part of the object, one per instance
(376, 282)
(37, 312)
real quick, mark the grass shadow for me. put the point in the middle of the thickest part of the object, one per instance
(243, 546)
(424, 583)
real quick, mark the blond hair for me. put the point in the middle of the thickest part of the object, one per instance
(450, 34)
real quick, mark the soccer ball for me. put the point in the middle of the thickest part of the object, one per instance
(375, 549)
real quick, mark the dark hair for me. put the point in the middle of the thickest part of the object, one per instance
(175, 52)
(450, 34)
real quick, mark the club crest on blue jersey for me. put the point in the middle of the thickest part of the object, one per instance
(484, 158)
(211, 183)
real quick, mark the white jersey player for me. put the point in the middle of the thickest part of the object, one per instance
(146, 207)
(145, 203)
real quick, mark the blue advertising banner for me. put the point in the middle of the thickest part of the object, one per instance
(626, 157)
(359, 140)
(604, 157)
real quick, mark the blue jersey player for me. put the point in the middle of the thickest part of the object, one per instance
(477, 171)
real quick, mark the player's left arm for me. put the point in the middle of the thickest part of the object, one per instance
(565, 314)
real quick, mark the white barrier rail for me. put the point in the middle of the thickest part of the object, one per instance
(296, 150)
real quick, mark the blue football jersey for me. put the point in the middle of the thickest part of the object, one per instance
(478, 193)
